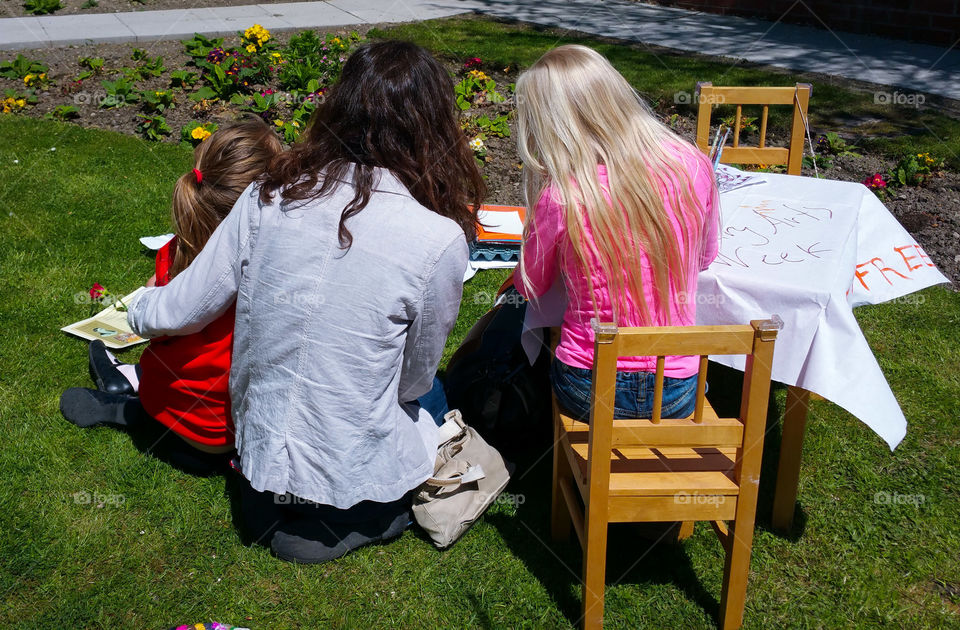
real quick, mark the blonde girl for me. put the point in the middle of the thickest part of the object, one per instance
(622, 210)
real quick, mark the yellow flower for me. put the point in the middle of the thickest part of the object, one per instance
(296, 124)
(478, 75)
(28, 79)
(43, 75)
(251, 48)
(21, 103)
(278, 122)
(200, 134)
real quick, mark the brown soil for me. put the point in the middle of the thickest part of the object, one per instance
(14, 8)
(931, 213)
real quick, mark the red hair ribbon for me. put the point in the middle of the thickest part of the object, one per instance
(198, 174)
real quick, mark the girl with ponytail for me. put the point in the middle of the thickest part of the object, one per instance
(178, 392)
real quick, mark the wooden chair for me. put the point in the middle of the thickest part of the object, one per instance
(700, 468)
(797, 96)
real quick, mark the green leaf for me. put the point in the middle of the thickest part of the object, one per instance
(205, 93)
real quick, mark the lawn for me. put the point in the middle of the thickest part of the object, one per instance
(153, 547)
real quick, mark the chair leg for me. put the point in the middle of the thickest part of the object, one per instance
(594, 577)
(559, 510)
(686, 530)
(736, 571)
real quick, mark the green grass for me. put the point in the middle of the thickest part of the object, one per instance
(834, 106)
(169, 553)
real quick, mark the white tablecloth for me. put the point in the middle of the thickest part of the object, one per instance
(809, 250)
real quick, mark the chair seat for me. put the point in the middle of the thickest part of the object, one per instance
(641, 468)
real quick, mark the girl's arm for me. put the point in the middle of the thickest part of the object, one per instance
(205, 289)
(428, 331)
(538, 254)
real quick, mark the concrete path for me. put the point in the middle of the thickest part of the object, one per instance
(907, 67)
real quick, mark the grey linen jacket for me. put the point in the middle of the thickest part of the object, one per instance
(329, 343)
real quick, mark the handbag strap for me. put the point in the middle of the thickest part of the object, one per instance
(472, 473)
(450, 429)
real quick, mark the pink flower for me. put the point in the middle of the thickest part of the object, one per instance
(96, 291)
(875, 181)
(472, 62)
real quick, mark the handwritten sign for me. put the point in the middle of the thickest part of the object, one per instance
(900, 264)
(810, 250)
(769, 235)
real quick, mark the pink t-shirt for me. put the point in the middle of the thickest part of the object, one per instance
(547, 251)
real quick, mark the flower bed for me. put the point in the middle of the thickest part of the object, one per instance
(182, 91)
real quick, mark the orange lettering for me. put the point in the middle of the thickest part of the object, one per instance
(861, 275)
(883, 269)
(907, 259)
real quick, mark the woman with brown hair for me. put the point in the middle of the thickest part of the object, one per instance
(181, 382)
(346, 264)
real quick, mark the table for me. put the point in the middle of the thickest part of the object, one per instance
(808, 250)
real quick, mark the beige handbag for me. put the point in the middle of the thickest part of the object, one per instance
(469, 475)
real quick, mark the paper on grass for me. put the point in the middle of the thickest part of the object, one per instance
(109, 326)
(156, 242)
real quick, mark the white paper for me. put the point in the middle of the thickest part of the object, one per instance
(729, 178)
(156, 242)
(503, 222)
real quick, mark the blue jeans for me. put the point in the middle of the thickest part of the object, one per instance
(634, 396)
(435, 401)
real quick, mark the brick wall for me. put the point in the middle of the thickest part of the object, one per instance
(935, 22)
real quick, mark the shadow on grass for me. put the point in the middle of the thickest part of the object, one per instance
(634, 556)
(725, 387)
(642, 553)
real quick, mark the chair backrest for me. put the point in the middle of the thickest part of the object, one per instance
(798, 96)
(703, 430)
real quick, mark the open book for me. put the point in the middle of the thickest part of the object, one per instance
(109, 326)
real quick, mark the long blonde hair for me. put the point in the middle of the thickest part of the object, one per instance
(228, 161)
(575, 111)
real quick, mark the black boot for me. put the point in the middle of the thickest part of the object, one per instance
(89, 407)
(104, 371)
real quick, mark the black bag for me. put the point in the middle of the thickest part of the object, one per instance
(490, 380)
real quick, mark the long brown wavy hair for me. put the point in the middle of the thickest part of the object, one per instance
(228, 161)
(393, 108)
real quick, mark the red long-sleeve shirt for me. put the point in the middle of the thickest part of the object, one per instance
(184, 380)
